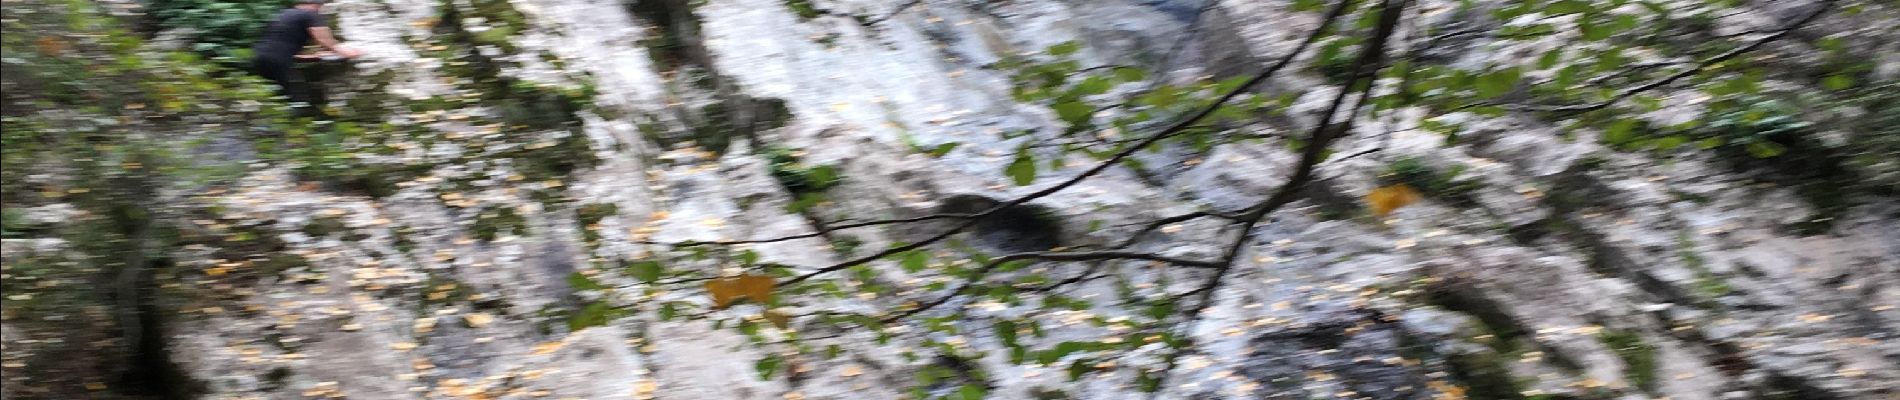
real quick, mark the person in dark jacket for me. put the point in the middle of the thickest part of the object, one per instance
(276, 52)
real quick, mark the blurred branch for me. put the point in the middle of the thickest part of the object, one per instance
(1820, 9)
(1369, 62)
(1045, 256)
(893, 14)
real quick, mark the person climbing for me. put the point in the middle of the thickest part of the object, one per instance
(276, 52)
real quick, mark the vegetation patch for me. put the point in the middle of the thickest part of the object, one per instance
(494, 220)
(803, 9)
(1707, 283)
(223, 30)
(1639, 357)
(1768, 136)
(806, 183)
(1443, 185)
(590, 216)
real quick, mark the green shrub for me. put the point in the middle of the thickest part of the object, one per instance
(1445, 185)
(222, 30)
(1874, 141)
(1768, 136)
(1756, 126)
(493, 220)
(806, 183)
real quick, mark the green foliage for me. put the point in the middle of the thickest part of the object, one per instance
(1022, 171)
(594, 314)
(1098, 104)
(589, 215)
(806, 183)
(1759, 126)
(645, 271)
(1874, 139)
(222, 30)
(1443, 185)
(494, 220)
(1639, 357)
(803, 8)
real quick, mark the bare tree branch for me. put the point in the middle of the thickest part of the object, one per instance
(818, 233)
(1159, 223)
(893, 14)
(1171, 130)
(1323, 134)
(980, 273)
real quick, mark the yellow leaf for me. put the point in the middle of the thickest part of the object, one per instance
(1385, 199)
(755, 288)
(50, 45)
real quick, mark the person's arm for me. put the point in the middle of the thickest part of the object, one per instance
(323, 37)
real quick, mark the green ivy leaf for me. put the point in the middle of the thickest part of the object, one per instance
(1837, 82)
(1160, 310)
(971, 392)
(915, 260)
(645, 271)
(1130, 74)
(582, 282)
(1550, 59)
(1076, 113)
(1005, 330)
(1592, 30)
(669, 311)
(768, 366)
(822, 176)
(1230, 84)
(1148, 382)
(1064, 48)
(1023, 169)
(1563, 7)
(1620, 132)
(1670, 142)
(1092, 86)
(1079, 368)
(1763, 149)
(1498, 82)
(943, 149)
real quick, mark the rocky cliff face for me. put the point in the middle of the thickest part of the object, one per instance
(493, 261)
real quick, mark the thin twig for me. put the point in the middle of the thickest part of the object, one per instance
(820, 232)
(893, 14)
(1170, 131)
(1159, 223)
(1323, 133)
(1699, 67)
(978, 275)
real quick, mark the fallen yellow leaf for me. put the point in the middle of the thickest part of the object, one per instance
(1385, 199)
(755, 288)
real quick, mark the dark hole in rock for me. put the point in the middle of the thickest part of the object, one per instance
(1019, 228)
